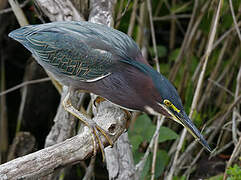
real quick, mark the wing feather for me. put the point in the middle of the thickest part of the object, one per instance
(68, 54)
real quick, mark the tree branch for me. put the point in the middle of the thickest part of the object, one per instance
(70, 151)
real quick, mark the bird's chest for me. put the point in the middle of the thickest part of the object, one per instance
(129, 89)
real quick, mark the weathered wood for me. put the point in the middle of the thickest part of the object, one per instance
(59, 10)
(70, 151)
(119, 159)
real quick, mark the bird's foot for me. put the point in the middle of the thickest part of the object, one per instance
(96, 130)
(98, 100)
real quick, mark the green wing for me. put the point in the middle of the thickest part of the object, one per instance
(69, 55)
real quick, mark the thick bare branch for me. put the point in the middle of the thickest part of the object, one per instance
(199, 85)
(59, 10)
(119, 159)
(70, 151)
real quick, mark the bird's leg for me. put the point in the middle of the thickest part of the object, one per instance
(98, 100)
(88, 122)
(69, 108)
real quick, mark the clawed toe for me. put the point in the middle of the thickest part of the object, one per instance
(97, 131)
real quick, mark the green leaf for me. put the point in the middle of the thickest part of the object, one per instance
(161, 51)
(135, 141)
(137, 156)
(197, 119)
(234, 172)
(148, 133)
(179, 178)
(167, 134)
(141, 123)
(206, 22)
(217, 177)
(146, 168)
(161, 161)
(174, 54)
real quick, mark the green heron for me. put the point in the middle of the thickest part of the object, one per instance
(106, 62)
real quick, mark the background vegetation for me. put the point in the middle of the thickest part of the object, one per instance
(185, 40)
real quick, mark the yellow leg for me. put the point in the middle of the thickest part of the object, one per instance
(88, 122)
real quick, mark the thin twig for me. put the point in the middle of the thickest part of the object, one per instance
(198, 89)
(234, 123)
(24, 84)
(176, 20)
(184, 45)
(219, 40)
(222, 117)
(119, 14)
(168, 17)
(187, 172)
(172, 30)
(141, 26)
(7, 10)
(234, 19)
(22, 20)
(139, 167)
(123, 13)
(153, 35)
(226, 146)
(220, 86)
(133, 18)
(4, 140)
(159, 119)
(235, 153)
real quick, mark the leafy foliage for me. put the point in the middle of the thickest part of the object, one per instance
(143, 131)
(234, 172)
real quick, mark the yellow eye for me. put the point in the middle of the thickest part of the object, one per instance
(167, 102)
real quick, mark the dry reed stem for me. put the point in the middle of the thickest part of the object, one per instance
(118, 16)
(26, 83)
(140, 165)
(235, 111)
(7, 10)
(133, 18)
(176, 20)
(3, 114)
(184, 46)
(234, 20)
(123, 13)
(199, 85)
(173, 30)
(159, 121)
(22, 20)
(171, 17)
(234, 155)
(214, 74)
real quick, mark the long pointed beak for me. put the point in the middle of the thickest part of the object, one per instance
(183, 119)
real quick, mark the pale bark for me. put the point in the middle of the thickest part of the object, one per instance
(70, 151)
